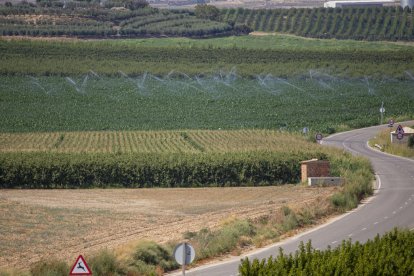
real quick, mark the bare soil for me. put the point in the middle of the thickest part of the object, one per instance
(36, 224)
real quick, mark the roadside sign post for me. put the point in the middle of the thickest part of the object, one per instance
(80, 267)
(391, 123)
(400, 132)
(318, 138)
(184, 254)
(305, 130)
(382, 111)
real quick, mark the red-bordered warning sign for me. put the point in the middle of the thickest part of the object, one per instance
(80, 267)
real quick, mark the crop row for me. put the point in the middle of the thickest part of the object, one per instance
(190, 141)
(387, 23)
(75, 50)
(75, 58)
(46, 170)
(227, 101)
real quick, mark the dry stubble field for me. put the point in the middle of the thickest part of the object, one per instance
(37, 224)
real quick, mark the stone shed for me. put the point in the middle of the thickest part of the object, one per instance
(314, 168)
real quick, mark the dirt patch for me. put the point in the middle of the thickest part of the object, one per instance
(65, 223)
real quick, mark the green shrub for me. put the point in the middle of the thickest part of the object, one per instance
(390, 254)
(357, 172)
(290, 222)
(105, 263)
(149, 255)
(141, 268)
(50, 268)
(210, 243)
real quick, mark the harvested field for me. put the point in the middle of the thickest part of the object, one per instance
(39, 223)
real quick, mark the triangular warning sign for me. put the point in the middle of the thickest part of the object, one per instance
(80, 267)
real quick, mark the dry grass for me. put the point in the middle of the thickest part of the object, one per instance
(42, 223)
(384, 140)
(152, 141)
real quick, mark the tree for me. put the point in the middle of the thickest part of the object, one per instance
(207, 12)
(128, 4)
(135, 4)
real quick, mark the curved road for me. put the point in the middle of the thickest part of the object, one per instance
(392, 205)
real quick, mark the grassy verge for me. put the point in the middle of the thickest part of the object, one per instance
(382, 141)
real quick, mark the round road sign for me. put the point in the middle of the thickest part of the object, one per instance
(318, 137)
(184, 253)
(382, 110)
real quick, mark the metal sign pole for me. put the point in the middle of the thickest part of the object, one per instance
(382, 110)
(187, 257)
(184, 257)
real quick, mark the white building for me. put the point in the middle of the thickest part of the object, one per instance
(407, 133)
(358, 4)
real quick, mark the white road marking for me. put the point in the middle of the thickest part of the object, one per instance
(350, 235)
(363, 229)
(334, 242)
(375, 223)
(394, 212)
(379, 182)
(406, 203)
(385, 217)
(401, 207)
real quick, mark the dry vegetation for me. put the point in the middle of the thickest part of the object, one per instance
(383, 139)
(44, 223)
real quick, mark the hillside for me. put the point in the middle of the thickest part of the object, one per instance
(387, 23)
(94, 21)
(101, 22)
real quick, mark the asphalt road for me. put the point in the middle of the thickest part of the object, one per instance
(391, 206)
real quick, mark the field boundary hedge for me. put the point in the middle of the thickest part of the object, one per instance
(53, 170)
